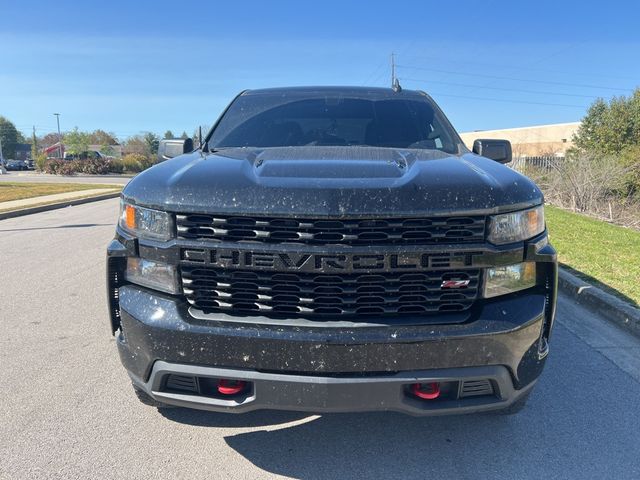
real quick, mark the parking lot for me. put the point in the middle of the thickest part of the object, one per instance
(68, 410)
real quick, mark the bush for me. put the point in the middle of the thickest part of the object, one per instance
(630, 182)
(40, 161)
(116, 166)
(68, 168)
(584, 181)
(54, 166)
(135, 162)
(93, 166)
(71, 167)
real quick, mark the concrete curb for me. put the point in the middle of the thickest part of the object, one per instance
(54, 206)
(610, 307)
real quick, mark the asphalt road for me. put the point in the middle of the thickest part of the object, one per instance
(33, 176)
(67, 409)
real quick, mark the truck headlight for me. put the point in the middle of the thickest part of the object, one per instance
(155, 275)
(516, 226)
(512, 278)
(146, 222)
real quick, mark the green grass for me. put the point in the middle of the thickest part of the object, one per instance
(598, 251)
(21, 190)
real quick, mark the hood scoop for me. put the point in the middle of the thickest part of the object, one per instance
(333, 163)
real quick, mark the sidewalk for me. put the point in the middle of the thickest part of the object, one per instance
(55, 198)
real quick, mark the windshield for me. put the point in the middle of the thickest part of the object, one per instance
(335, 119)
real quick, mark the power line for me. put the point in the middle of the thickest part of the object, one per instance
(379, 76)
(502, 100)
(521, 67)
(506, 89)
(376, 70)
(476, 74)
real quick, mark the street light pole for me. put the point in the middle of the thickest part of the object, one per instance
(59, 136)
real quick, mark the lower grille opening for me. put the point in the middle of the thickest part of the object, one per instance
(181, 383)
(476, 388)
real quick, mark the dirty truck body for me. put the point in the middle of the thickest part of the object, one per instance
(333, 250)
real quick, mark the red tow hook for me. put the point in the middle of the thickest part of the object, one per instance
(230, 387)
(430, 393)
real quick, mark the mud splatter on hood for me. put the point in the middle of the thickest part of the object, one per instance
(332, 181)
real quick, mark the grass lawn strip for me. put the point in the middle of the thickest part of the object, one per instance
(20, 190)
(600, 252)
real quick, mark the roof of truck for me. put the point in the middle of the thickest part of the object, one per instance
(375, 92)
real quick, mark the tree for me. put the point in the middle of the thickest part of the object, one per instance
(100, 137)
(9, 136)
(152, 141)
(76, 142)
(49, 139)
(184, 135)
(610, 127)
(168, 135)
(136, 144)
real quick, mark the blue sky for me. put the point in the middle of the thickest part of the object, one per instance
(135, 66)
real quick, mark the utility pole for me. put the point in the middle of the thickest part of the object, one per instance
(2, 170)
(34, 145)
(59, 136)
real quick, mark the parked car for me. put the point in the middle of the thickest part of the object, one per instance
(331, 250)
(88, 155)
(17, 165)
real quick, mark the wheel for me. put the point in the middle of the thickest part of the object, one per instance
(515, 407)
(147, 400)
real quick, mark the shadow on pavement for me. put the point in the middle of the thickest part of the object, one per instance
(229, 420)
(567, 430)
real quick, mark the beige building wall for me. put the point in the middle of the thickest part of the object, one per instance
(534, 141)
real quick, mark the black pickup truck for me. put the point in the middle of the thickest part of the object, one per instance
(332, 249)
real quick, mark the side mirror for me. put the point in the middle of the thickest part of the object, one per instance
(498, 150)
(172, 148)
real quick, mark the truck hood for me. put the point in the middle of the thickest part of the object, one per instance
(332, 181)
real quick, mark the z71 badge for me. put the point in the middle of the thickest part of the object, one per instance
(455, 284)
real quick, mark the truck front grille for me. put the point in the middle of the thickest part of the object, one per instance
(423, 231)
(316, 295)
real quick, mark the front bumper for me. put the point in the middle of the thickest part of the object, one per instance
(334, 369)
(322, 394)
(336, 366)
